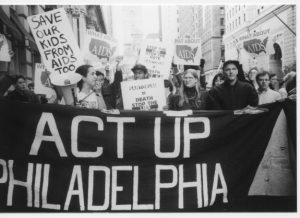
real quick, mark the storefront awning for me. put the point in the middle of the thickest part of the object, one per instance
(24, 31)
(12, 29)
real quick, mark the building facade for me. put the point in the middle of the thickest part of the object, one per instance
(16, 29)
(169, 23)
(190, 22)
(212, 40)
(127, 27)
(265, 38)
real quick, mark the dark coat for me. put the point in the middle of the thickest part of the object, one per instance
(24, 96)
(227, 97)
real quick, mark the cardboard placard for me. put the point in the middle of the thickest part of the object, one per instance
(157, 57)
(98, 48)
(147, 94)
(187, 51)
(42, 83)
(4, 49)
(56, 42)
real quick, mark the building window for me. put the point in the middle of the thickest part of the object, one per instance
(239, 20)
(258, 11)
(222, 32)
(239, 7)
(221, 21)
(222, 53)
(244, 17)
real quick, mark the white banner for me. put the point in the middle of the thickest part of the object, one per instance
(147, 94)
(4, 49)
(56, 42)
(187, 52)
(98, 48)
(157, 57)
(42, 83)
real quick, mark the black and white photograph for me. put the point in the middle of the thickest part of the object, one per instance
(154, 108)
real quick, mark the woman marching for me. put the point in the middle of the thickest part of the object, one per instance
(86, 95)
(190, 95)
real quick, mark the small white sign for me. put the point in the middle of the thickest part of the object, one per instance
(157, 57)
(147, 94)
(42, 83)
(4, 49)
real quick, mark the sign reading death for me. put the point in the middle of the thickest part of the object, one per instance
(187, 51)
(143, 94)
(55, 40)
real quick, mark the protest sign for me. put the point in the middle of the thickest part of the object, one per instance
(4, 49)
(97, 47)
(157, 57)
(144, 94)
(56, 42)
(42, 83)
(66, 159)
(187, 52)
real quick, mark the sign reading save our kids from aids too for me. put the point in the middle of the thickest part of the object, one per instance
(143, 94)
(56, 42)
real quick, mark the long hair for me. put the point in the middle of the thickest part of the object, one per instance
(82, 70)
(182, 90)
(250, 71)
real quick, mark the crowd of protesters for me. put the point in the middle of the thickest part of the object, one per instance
(231, 89)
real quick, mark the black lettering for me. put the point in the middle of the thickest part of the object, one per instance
(64, 40)
(44, 46)
(57, 17)
(54, 29)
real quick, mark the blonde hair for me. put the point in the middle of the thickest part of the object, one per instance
(182, 94)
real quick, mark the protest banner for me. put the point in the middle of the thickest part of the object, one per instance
(144, 94)
(187, 51)
(97, 47)
(66, 159)
(42, 83)
(56, 42)
(4, 49)
(157, 57)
